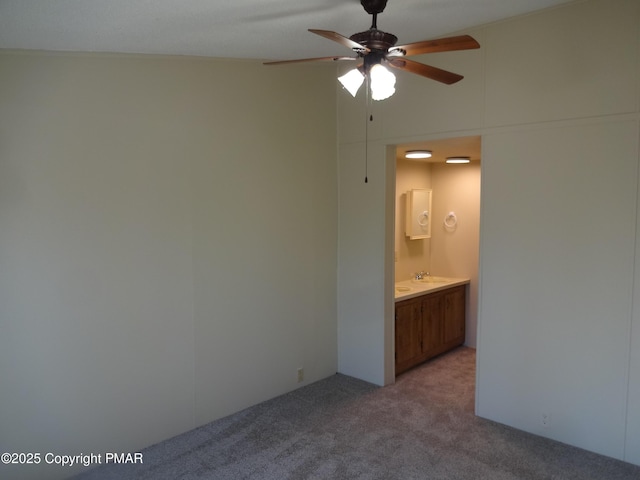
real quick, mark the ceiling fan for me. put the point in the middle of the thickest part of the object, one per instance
(378, 49)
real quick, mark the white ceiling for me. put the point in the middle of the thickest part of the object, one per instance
(258, 29)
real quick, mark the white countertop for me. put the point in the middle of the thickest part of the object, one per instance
(414, 288)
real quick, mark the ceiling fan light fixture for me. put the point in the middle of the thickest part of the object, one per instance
(418, 154)
(383, 82)
(352, 80)
(458, 160)
(377, 48)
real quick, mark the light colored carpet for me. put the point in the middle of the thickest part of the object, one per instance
(423, 427)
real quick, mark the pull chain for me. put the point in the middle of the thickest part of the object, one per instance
(368, 118)
(368, 114)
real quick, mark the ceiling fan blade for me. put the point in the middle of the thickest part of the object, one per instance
(318, 59)
(428, 71)
(341, 39)
(461, 42)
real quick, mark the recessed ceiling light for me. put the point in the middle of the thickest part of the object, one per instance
(418, 154)
(458, 160)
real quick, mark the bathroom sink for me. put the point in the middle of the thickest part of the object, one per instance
(430, 279)
(403, 289)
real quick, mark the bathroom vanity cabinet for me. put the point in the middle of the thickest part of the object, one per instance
(428, 325)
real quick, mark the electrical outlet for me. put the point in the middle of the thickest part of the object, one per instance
(545, 419)
(300, 375)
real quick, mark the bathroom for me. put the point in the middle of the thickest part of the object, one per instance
(453, 244)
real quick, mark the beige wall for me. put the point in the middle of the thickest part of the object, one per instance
(559, 116)
(168, 244)
(454, 251)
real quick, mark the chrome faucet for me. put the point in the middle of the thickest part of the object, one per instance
(420, 275)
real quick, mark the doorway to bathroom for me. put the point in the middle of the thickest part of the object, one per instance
(451, 248)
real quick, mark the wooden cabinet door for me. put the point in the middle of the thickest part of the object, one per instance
(429, 325)
(408, 334)
(432, 310)
(454, 315)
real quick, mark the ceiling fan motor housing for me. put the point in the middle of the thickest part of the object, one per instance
(375, 39)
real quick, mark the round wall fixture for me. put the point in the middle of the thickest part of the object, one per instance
(450, 221)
